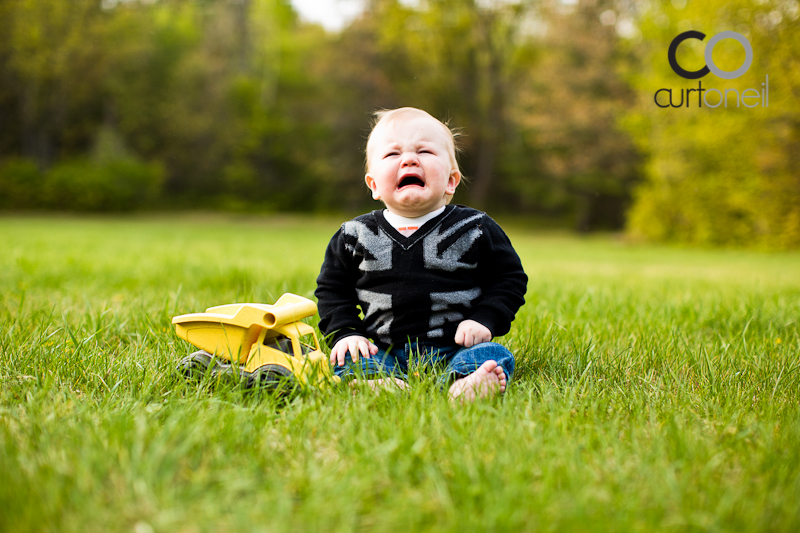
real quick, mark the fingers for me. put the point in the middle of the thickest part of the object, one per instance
(483, 336)
(356, 346)
(460, 336)
(464, 335)
(335, 353)
(470, 333)
(361, 348)
(339, 351)
(469, 339)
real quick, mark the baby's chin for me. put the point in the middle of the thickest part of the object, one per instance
(412, 207)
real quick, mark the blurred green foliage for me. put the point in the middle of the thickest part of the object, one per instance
(81, 185)
(244, 106)
(119, 185)
(109, 179)
(241, 105)
(725, 175)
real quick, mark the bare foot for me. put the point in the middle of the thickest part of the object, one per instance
(487, 381)
(378, 385)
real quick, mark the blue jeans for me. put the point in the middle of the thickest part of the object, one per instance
(456, 361)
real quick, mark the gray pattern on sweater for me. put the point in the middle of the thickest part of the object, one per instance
(442, 308)
(379, 306)
(378, 245)
(450, 258)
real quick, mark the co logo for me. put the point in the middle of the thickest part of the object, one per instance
(710, 66)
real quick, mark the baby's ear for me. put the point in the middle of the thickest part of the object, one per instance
(372, 186)
(452, 183)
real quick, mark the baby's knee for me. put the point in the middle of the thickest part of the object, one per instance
(501, 355)
(468, 360)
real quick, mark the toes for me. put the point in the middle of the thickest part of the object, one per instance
(489, 366)
(489, 379)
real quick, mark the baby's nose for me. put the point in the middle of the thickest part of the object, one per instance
(410, 160)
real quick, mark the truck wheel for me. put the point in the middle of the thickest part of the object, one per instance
(274, 377)
(196, 365)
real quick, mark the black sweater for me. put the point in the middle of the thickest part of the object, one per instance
(459, 265)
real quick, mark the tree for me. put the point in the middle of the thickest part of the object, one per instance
(51, 66)
(724, 175)
(457, 60)
(570, 109)
(522, 100)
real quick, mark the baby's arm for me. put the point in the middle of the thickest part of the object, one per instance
(355, 344)
(503, 281)
(338, 305)
(470, 333)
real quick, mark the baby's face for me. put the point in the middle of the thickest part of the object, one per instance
(410, 166)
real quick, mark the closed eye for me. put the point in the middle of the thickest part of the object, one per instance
(391, 154)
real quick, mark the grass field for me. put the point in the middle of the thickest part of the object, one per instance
(657, 389)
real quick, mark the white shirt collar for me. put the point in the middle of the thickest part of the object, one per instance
(406, 225)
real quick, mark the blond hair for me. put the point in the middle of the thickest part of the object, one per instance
(386, 116)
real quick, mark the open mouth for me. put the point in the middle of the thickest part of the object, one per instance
(407, 181)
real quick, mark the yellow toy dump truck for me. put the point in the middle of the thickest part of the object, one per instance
(267, 345)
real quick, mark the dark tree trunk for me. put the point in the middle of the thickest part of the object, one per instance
(492, 124)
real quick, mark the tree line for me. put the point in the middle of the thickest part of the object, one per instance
(238, 104)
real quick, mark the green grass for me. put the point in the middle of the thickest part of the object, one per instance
(657, 389)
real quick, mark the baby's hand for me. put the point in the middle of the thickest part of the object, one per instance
(354, 344)
(470, 333)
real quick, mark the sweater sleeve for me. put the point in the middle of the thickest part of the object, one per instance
(503, 281)
(336, 293)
